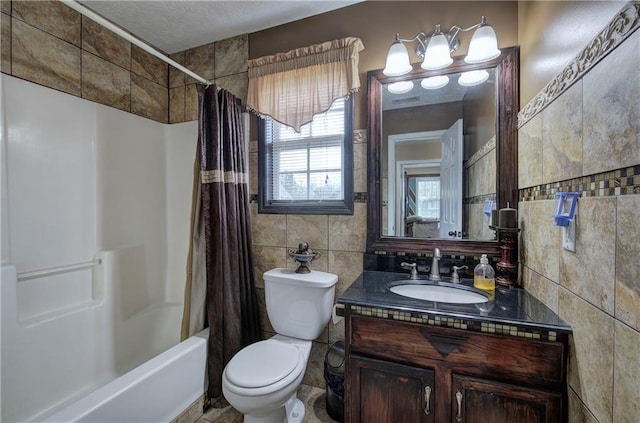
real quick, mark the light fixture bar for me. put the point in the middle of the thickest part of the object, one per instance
(482, 48)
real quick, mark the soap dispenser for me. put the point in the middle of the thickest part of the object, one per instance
(484, 277)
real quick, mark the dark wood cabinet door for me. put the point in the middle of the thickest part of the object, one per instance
(480, 401)
(384, 392)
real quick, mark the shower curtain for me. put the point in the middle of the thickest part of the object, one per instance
(220, 256)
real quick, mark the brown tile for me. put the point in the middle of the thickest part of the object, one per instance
(253, 172)
(200, 60)
(539, 238)
(105, 83)
(313, 229)
(231, 55)
(530, 153)
(176, 77)
(611, 112)
(176, 104)
(349, 233)
(562, 136)
(265, 324)
(476, 222)
(481, 176)
(626, 401)
(591, 353)
(42, 58)
(310, 395)
(542, 288)
(149, 66)
(222, 413)
(5, 6)
(359, 167)
(191, 414)
(268, 229)
(190, 103)
(103, 43)
(236, 84)
(149, 99)
(52, 17)
(314, 376)
(336, 331)
(578, 412)
(587, 271)
(348, 266)
(627, 273)
(5, 43)
(267, 258)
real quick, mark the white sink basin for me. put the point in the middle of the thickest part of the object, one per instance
(440, 293)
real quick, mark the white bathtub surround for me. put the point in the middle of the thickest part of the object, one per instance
(82, 181)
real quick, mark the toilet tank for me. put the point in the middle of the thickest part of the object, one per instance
(299, 304)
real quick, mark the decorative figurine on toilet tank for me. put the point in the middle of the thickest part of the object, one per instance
(303, 256)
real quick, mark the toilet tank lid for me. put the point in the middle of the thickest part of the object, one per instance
(315, 278)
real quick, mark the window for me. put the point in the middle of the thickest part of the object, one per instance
(310, 172)
(428, 196)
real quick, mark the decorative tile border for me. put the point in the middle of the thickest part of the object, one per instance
(360, 197)
(451, 322)
(483, 151)
(478, 199)
(359, 135)
(624, 181)
(618, 29)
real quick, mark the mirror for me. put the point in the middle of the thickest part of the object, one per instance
(441, 156)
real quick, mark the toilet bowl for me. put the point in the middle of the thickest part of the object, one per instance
(261, 380)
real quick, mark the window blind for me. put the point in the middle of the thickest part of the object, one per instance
(307, 166)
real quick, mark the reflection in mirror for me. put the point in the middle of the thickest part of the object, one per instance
(442, 151)
(427, 194)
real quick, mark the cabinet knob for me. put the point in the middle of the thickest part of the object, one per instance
(459, 401)
(427, 399)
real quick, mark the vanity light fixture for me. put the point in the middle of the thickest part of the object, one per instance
(435, 82)
(471, 78)
(400, 87)
(436, 49)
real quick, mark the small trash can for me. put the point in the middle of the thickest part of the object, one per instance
(334, 378)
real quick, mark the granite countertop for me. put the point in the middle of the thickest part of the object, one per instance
(511, 306)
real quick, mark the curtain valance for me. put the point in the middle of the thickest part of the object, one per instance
(292, 87)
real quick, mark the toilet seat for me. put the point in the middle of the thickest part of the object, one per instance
(262, 367)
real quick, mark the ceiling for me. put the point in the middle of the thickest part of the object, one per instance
(179, 25)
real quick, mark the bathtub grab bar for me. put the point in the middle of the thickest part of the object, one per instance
(58, 269)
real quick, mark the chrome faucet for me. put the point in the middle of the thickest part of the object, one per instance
(412, 266)
(455, 278)
(434, 275)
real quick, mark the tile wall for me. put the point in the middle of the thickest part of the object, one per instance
(51, 44)
(588, 140)
(224, 62)
(480, 185)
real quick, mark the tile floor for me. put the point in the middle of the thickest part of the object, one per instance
(312, 397)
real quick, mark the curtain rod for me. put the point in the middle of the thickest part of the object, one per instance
(126, 35)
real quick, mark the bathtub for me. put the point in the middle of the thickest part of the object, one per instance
(106, 358)
(156, 391)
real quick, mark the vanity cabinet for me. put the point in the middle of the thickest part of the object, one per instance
(404, 372)
(390, 392)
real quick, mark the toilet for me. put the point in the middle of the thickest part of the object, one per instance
(262, 379)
